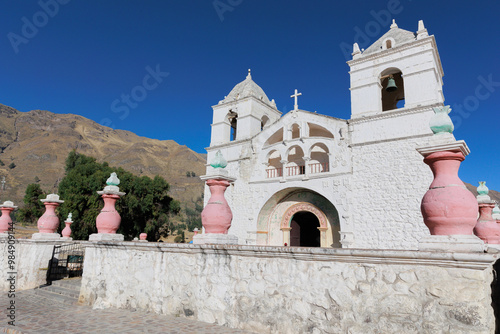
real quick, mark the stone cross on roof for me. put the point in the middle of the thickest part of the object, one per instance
(296, 106)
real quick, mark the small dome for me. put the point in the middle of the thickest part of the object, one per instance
(245, 89)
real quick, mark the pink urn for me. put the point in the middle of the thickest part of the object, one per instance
(5, 220)
(49, 221)
(487, 228)
(216, 217)
(66, 232)
(448, 207)
(108, 221)
(143, 236)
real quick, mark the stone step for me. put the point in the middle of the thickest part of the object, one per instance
(55, 297)
(69, 292)
(69, 283)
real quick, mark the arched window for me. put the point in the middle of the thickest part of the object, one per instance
(393, 90)
(319, 162)
(295, 131)
(388, 44)
(316, 130)
(296, 163)
(232, 118)
(263, 122)
(276, 137)
(274, 167)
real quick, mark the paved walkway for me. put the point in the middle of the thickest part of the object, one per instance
(35, 314)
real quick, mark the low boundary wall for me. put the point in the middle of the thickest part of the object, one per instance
(296, 290)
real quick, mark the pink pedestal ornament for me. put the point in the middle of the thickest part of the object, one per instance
(448, 207)
(487, 228)
(108, 221)
(5, 220)
(143, 236)
(49, 221)
(66, 232)
(216, 217)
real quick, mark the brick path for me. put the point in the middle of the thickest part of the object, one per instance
(35, 314)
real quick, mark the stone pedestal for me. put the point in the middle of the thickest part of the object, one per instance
(106, 237)
(215, 238)
(451, 243)
(46, 236)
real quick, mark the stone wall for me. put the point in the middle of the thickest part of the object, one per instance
(389, 181)
(296, 290)
(31, 262)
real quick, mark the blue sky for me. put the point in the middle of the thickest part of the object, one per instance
(86, 57)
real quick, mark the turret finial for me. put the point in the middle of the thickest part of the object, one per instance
(249, 76)
(422, 32)
(394, 25)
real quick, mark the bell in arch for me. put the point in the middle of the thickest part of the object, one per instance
(391, 85)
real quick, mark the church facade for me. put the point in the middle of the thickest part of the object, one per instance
(306, 179)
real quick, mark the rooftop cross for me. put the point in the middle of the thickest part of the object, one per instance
(296, 106)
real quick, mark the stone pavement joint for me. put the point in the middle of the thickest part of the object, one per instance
(36, 314)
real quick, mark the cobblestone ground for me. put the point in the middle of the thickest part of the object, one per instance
(35, 314)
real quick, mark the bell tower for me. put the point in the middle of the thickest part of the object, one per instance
(401, 70)
(242, 114)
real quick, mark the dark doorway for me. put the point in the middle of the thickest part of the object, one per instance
(304, 232)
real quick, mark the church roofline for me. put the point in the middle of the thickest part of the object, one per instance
(396, 49)
(235, 102)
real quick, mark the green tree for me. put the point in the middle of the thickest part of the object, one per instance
(12, 165)
(146, 207)
(33, 208)
(1, 163)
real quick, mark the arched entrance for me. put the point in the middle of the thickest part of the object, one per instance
(310, 226)
(304, 230)
(275, 217)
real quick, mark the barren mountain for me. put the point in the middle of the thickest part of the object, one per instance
(37, 143)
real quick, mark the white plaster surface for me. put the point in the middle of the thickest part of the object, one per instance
(213, 238)
(296, 290)
(31, 262)
(106, 237)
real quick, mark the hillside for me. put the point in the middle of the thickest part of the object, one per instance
(38, 142)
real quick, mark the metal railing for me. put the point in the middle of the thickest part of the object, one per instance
(66, 261)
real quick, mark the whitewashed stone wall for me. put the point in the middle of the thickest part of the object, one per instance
(389, 181)
(296, 290)
(31, 263)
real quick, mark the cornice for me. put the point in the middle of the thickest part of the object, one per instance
(391, 114)
(476, 261)
(391, 51)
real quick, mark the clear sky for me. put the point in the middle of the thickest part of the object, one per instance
(91, 57)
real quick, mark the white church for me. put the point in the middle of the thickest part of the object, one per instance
(306, 179)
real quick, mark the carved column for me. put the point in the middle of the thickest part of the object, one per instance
(284, 172)
(286, 235)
